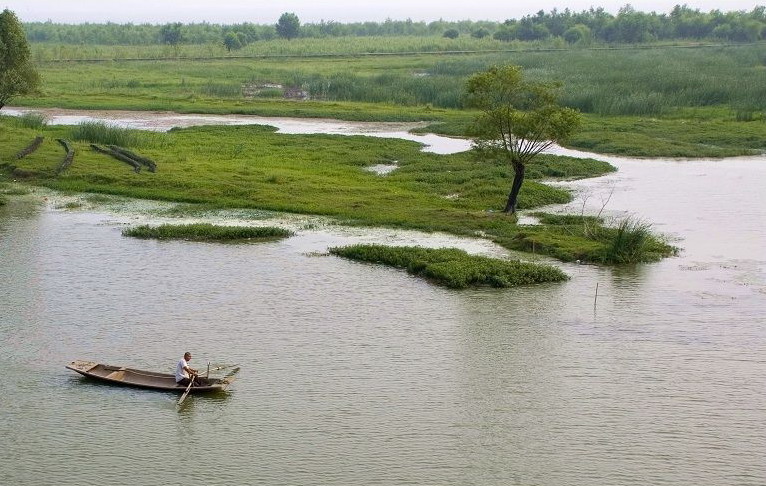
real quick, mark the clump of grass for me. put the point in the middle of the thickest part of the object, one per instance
(109, 134)
(631, 241)
(32, 120)
(590, 239)
(3, 200)
(452, 267)
(206, 232)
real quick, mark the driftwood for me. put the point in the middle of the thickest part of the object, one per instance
(113, 153)
(31, 147)
(145, 161)
(68, 158)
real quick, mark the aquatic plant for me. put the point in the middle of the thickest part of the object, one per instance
(206, 232)
(453, 267)
(631, 241)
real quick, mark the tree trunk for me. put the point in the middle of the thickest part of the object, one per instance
(518, 179)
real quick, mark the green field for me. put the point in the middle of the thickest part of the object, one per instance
(659, 101)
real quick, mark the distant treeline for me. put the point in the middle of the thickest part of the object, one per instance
(594, 25)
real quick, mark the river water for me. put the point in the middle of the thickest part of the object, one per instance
(356, 374)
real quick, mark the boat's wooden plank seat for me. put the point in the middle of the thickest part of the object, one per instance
(118, 375)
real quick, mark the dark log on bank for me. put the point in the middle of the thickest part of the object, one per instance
(68, 158)
(30, 148)
(112, 153)
(145, 161)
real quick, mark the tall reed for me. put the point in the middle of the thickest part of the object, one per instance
(109, 134)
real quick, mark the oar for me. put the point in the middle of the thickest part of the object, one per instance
(188, 388)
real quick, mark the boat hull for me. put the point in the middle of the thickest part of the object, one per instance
(122, 376)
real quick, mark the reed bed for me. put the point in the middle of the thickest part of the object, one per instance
(656, 81)
(32, 120)
(452, 267)
(110, 134)
(206, 232)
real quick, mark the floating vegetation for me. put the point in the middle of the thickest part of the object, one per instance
(206, 232)
(68, 158)
(453, 267)
(34, 145)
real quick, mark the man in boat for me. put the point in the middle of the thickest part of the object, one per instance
(185, 374)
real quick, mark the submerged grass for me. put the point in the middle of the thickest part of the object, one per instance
(206, 232)
(452, 267)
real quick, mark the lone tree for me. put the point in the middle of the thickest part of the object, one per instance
(288, 26)
(232, 41)
(518, 120)
(17, 75)
(171, 34)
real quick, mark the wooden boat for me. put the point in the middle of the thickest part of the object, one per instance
(119, 375)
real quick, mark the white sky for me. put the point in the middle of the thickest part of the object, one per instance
(267, 12)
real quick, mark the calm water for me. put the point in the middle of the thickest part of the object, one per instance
(354, 374)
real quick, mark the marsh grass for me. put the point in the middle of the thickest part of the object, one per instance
(452, 267)
(630, 241)
(206, 232)
(591, 239)
(109, 134)
(32, 120)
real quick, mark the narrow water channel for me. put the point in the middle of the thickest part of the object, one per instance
(355, 374)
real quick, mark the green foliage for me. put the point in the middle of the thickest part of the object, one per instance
(452, 267)
(232, 42)
(629, 25)
(17, 74)
(451, 34)
(108, 134)
(171, 34)
(206, 232)
(288, 26)
(480, 33)
(518, 120)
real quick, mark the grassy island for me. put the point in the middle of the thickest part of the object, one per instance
(254, 167)
(452, 267)
(206, 232)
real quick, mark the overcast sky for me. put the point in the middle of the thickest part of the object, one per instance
(266, 12)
